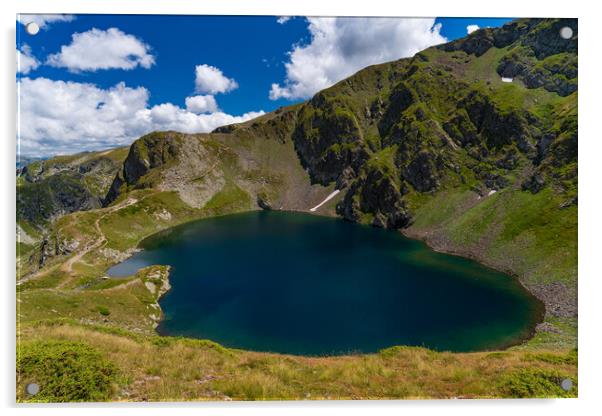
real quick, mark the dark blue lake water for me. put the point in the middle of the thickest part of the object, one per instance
(303, 284)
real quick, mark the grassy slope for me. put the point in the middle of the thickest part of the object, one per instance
(161, 368)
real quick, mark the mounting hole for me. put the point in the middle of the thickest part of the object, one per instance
(32, 28)
(32, 389)
(566, 384)
(566, 32)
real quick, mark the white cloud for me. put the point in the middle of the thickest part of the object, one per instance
(211, 80)
(201, 104)
(102, 49)
(340, 47)
(25, 60)
(171, 117)
(283, 19)
(58, 117)
(471, 28)
(67, 117)
(43, 20)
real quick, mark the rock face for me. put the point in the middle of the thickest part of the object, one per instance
(263, 203)
(52, 246)
(328, 140)
(422, 172)
(151, 151)
(534, 184)
(54, 187)
(378, 194)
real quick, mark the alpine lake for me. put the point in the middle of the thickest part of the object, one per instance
(303, 284)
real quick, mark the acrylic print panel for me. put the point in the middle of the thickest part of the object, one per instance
(285, 208)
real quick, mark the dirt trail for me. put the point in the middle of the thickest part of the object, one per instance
(67, 266)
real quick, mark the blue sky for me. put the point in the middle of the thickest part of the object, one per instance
(299, 55)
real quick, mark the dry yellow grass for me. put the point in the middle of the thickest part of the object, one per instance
(155, 368)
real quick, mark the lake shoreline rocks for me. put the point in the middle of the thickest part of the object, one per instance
(156, 281)
(555, 297)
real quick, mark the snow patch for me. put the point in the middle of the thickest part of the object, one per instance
(505, 79)
(328, 198)
(491, 192)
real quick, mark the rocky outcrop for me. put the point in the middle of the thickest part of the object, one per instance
(52, 246)
(263, 203)
(534, 184)
(328, 140)
(401, 98)
(544, 58)
(151, 151)
(376, 193)
(58, 186)
(497, 128)
(423, 171)
(557, 74)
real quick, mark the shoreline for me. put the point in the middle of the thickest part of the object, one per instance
(550, 302)
(540, 310)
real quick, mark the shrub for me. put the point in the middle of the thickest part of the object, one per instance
(65, 372)
(536, 382)
(570, 358)
(103, 310)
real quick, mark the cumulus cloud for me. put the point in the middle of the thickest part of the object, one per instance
(201, 104)
(25, 60)
(211, 80)
(102, 49)
(283, 19)
(171, 117)
(471, 28)
(340, 47)
(58, 117)
(44, 20)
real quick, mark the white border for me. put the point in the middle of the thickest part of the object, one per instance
(590, 287)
